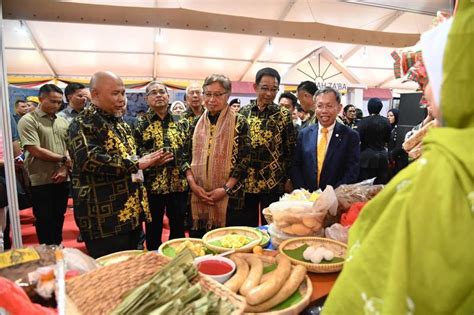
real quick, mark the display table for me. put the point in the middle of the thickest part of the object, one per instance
(322, 284)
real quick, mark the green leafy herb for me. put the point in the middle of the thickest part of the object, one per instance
(297, 254)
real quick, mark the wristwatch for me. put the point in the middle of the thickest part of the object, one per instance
(227, 189)
(64, 159)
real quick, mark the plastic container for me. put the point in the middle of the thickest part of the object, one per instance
(297, 217)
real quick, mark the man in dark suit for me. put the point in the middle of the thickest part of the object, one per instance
(327, 153)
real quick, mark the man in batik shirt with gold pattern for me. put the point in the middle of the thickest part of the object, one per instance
(194, 102)
(166, 184)
(273, 139)
(107, 203)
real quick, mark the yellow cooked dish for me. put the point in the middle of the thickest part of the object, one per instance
(234, 241)
(196, 248)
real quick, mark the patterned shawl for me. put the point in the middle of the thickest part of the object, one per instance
(211, 163)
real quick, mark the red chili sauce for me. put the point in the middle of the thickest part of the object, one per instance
(214, 267)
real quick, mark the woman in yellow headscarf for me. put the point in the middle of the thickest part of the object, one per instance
(410, 251)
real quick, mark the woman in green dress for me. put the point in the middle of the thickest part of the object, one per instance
(410, 250)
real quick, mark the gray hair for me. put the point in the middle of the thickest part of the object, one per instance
(193, 85)
(219, 78)
(152, 83)
(328, 89)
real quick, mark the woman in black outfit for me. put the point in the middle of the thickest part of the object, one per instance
(398, 158)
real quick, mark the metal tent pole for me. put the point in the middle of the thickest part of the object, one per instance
(7, 144)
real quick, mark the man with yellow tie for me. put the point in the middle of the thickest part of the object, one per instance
(327, 153)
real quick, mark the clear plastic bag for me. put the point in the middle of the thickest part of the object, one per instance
(359, 192)
(303, 218)
(337, 232)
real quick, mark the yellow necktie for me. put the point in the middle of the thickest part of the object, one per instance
(322, 145)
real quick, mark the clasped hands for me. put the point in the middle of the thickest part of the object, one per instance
(208, 197)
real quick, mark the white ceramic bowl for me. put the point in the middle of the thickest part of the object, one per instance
(221, 278)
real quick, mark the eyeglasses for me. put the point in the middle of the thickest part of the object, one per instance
(156, 92)
(267, 89)
(215, 94)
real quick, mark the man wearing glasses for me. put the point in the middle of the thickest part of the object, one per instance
(273, 140)
(166, 185)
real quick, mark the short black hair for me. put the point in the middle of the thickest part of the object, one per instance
(346, 108)
(308, 86)
(267, 72)
(18, 102)
(289, 96)
(49, 88)
(328, 89)
(71, 88)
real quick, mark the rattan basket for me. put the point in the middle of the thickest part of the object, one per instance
(338, 248)
(241, 230)
(306, 289)
(119, 257)
(100, 291)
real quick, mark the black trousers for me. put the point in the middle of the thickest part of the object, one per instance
(175, 205)
(49, 207)
(254, 204)
(108, 245)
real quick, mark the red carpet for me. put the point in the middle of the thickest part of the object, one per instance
(70, 230)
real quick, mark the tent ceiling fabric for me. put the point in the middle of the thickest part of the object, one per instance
(78, 48)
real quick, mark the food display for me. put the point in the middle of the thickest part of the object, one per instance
(242, 239)
(151, 282)
(269, 283)
(320, 255)
(173, 247)
(216, 267)
(301, 195)
(303, 218)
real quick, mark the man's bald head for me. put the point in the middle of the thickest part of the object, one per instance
(108, 92)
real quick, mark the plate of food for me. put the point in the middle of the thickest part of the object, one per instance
(173, 247)
(238, 238)
(118, 257)
(317, 254)
(270, 285)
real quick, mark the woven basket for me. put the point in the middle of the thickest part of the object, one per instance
(101, 291)
(176, 242)
(122, 256)
(338, 248)
(241, 230)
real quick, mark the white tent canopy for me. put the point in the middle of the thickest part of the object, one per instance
(60, 46)
(190, 39)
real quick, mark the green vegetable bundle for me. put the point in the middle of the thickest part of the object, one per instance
(170, 291)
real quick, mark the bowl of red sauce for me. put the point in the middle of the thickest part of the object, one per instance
(216, 267)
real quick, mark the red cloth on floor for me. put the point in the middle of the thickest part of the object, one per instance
(348, 218)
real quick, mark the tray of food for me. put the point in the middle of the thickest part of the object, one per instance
(270, 284)
(317, 254)
(238, 238)
(173, 247)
